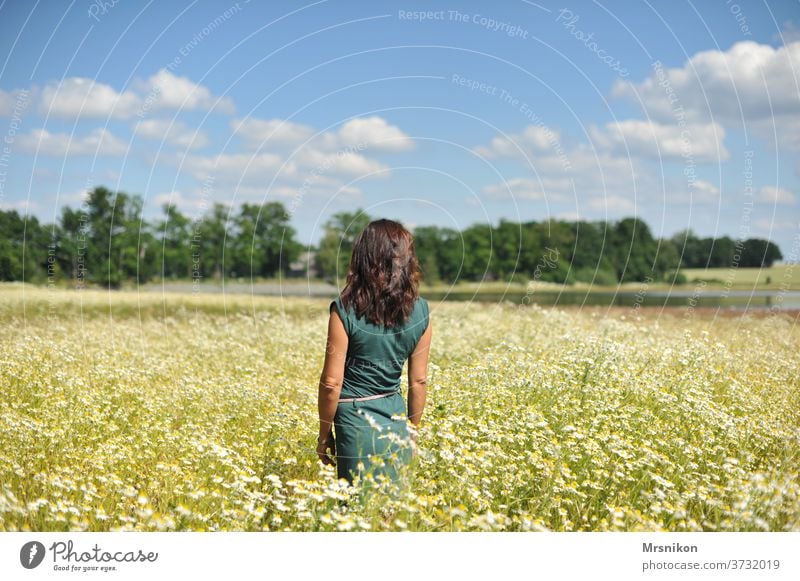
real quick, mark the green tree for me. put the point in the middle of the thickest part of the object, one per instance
(173, 244)
(691, 249)
(634, 251)
(264, 243)
(133, 246)
(759, 253)
(69, 237)
(554, 242)
(450, 255)
(478, 252)
(336, 246)
(507, 251)
(210, 242)
(590, 253)
(720, 251)
(118, 243)
(10, 251)
(427, 241)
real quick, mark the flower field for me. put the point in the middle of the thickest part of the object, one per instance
(129, 411)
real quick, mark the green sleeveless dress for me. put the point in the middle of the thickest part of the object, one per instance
(367, 432)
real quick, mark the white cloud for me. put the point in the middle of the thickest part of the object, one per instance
(582, 169)
(706, 190)
(173, 132)
(776, 195)
(235, 167)
(6, 103)
(319, 168)
(533, 140)
(167, 91)
(613, 204)
(789, 34)
(350, 192)
(99, 142)
(14, 103)
(76, 197)
(375, 133)
(292, 158)
(748, 81)
(85, 98)
(528, 189)
(261, 133)
(750, 85)
(678, 191)
(21, 206)
(82, 97)
(596, 181)
(197, 203)
(340, 162)
(570, 217)
(767, 227)
(701, 143)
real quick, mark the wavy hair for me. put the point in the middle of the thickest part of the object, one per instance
(383, 279)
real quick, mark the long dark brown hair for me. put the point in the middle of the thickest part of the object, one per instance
(383, 279)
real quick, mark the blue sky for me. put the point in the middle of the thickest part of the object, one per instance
(448, 113)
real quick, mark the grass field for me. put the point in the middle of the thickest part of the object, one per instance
(784, 276)
(123, 411)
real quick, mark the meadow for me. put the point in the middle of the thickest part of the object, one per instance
(128, 411)
(779, 276)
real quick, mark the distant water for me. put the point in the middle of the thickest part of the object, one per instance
(735, 299)
(700, 297)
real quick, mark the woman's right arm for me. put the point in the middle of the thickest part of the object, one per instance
(418, 377)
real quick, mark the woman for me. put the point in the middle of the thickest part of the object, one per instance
(377, 323)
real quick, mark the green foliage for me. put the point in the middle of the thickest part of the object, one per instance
(336, 246)
(264, 243)
(677, 277)
(723, 252)
(106, 242)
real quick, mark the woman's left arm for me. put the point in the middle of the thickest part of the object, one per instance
(330, 384)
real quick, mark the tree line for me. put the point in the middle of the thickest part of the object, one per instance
(106, 242)
(599, 252)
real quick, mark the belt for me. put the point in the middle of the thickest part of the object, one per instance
(368, 397)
